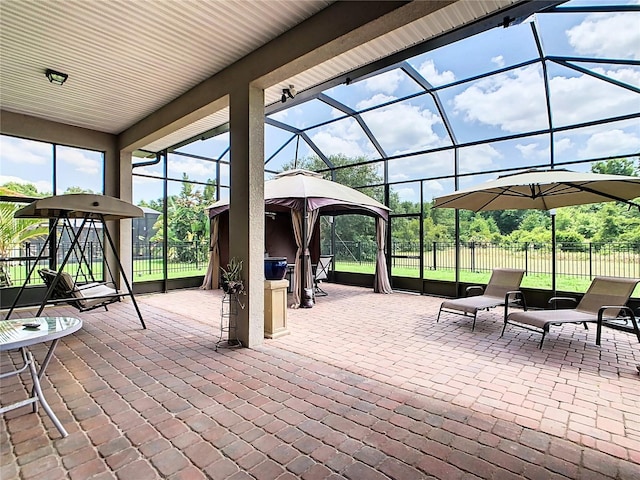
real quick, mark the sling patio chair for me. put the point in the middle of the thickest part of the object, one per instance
(502, 289)
(83, 297)
(321, 273)
(605, 295)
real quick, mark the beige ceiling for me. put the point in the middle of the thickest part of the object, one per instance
(126, 59)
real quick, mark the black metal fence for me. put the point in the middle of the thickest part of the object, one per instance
(184, 259)
(572, 259)
(584, 260)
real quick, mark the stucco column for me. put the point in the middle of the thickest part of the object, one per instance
(124, 238)
(246, 212)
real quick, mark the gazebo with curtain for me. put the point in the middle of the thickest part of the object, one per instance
(291, 197)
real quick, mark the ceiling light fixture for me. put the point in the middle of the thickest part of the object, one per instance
(288, 93)
(56, 77)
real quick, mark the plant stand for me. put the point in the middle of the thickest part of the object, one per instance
(228, 321)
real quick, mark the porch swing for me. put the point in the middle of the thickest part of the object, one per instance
(81, 291)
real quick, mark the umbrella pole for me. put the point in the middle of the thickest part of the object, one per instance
(552, 212)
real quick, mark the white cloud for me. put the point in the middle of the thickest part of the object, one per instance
(404, 128)
(430, 73)
(610, 142)
(563, 145)
(386, 83)
(576, 99)
(42, 186)
(344, 137)
(614, 36)
(80, 162)
(280, 116)
(514, 101)
(499, 61)
(16, 150)
(414, 167)
(531, 151)
(195, 169)
(478, 158)
(377, 99)
(407, 194)
(335, 145)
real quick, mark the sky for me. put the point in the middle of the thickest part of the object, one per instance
(508, 103)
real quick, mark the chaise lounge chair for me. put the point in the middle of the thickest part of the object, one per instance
(604, 294)
(83, 297)
(502, 289)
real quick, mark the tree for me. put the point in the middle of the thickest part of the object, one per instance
(25, 189)
(616, 166)
(187, 219)
(14, 232)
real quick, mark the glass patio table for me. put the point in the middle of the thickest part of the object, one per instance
(25, 332)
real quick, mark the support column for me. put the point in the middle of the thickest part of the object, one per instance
(124, 234)
(246, 212)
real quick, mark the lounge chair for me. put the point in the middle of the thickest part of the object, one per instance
(321, 273)
(83, 297)
(604, 294)
(502, 289)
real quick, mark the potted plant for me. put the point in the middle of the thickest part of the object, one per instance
(232, 277)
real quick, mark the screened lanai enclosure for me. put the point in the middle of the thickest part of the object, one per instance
(557, 89)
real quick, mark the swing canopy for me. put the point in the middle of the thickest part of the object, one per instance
(80, 205)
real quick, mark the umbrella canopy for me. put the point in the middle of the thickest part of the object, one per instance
(80, 205)
(291, 189)
(543, 190)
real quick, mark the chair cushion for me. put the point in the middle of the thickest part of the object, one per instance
(541, 318)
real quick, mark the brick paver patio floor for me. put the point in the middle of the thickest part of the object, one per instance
(365, 387)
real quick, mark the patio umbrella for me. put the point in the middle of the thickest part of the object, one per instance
(543, 190)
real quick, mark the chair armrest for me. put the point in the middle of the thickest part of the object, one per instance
(474, 287)
(620, 309)
(555, 300)
(516, 294)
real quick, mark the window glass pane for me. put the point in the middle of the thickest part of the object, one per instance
(476, 55)
(408, 126)
(375, 90)
(486, 108)
(26, 162)
(421, 166)
(590, 35)
(344, 137)
(405, 198)
(598, 141)
(225, 175)
(355, 244)
(577, 97)
(274, 139)
(307, 114)
(520, 152)
(285, 157)
(439, 232)
(626, 74)
(152, 170)
(194, 169)
(187, 226)
(212, 147)
(79, 171)
(405, 246)
(147, 244)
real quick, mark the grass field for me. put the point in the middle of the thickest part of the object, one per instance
(146, 270)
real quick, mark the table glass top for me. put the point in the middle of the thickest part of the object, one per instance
(28, 331)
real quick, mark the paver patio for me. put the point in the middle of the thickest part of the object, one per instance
(366, 386)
